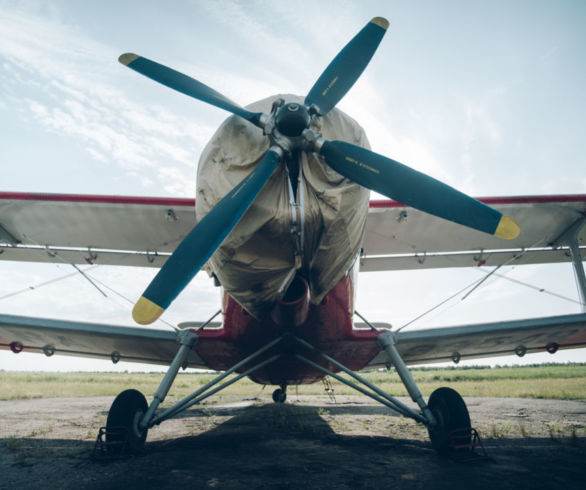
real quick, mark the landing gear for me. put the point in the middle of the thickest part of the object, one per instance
(445, 415)
(451, 415)
(279, 395)
(130, 416)
(123, 432)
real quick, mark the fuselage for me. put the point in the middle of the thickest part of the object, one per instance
(327, 326)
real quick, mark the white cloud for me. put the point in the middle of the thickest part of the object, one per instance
(66, 83)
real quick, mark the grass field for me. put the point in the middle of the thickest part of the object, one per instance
(561, 381)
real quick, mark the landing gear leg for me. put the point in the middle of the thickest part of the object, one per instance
(445, 412)
(386, 341)
(280, 394)
(445, 416)
(129, 415)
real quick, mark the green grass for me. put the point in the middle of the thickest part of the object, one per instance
(563, 381)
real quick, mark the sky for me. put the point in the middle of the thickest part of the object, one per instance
(489, 97)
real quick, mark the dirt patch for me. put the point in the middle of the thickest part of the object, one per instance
(309, 442)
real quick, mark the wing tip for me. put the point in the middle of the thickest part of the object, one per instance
(145, 311)
(381, 22)
(127, 58)
(507, 228)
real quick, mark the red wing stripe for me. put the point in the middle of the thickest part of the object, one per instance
(384, 203)
(188, 202)
(161, 201)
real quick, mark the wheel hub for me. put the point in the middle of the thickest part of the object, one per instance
(136, 429)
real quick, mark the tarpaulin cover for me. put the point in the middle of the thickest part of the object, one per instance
(257, 261)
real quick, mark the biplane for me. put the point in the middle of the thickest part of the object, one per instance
(282, 222)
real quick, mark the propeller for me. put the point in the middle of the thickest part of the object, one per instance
(346, 67)
(186, 85)
(202, 241)
(288, 128)
(415, 189)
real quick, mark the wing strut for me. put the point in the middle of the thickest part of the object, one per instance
(570, 238)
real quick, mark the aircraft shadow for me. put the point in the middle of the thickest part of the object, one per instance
(276, 421)
(331, 408)
(288, 446)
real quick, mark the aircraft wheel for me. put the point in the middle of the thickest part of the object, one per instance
(126, 413)
(279, 395)
(451, 413)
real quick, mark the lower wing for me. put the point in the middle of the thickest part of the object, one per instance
(41, 335)
(100, 341)
(547, 334)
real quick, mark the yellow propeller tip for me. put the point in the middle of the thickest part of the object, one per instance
(127, 58)
(507, 228)
(145, 311)
(381, 22)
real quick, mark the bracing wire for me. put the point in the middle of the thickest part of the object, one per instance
(474, 285)
(457, 293)
(128, 300)
(45, 283)
(536, 288)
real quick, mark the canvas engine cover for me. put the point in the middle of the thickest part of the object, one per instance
(260, 257)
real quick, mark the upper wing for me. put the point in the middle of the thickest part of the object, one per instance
(489, 339)
(398, 237)
(80, 339)
(143, 231)
(112, 230)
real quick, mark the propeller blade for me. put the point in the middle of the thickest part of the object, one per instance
(413, 188)
(202, 241)
(186, 85)
(346, 67)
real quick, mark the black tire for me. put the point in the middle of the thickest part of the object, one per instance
(123, 419)
(451, 414)
(279, 395)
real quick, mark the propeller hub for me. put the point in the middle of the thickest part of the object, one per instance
(291, 119)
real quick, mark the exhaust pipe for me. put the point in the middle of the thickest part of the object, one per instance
(292, 310)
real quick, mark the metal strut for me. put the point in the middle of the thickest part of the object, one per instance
(570, 237)
(574, 246)
(187, 339)
(426, 417)
(387, 340)
(150, 419)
